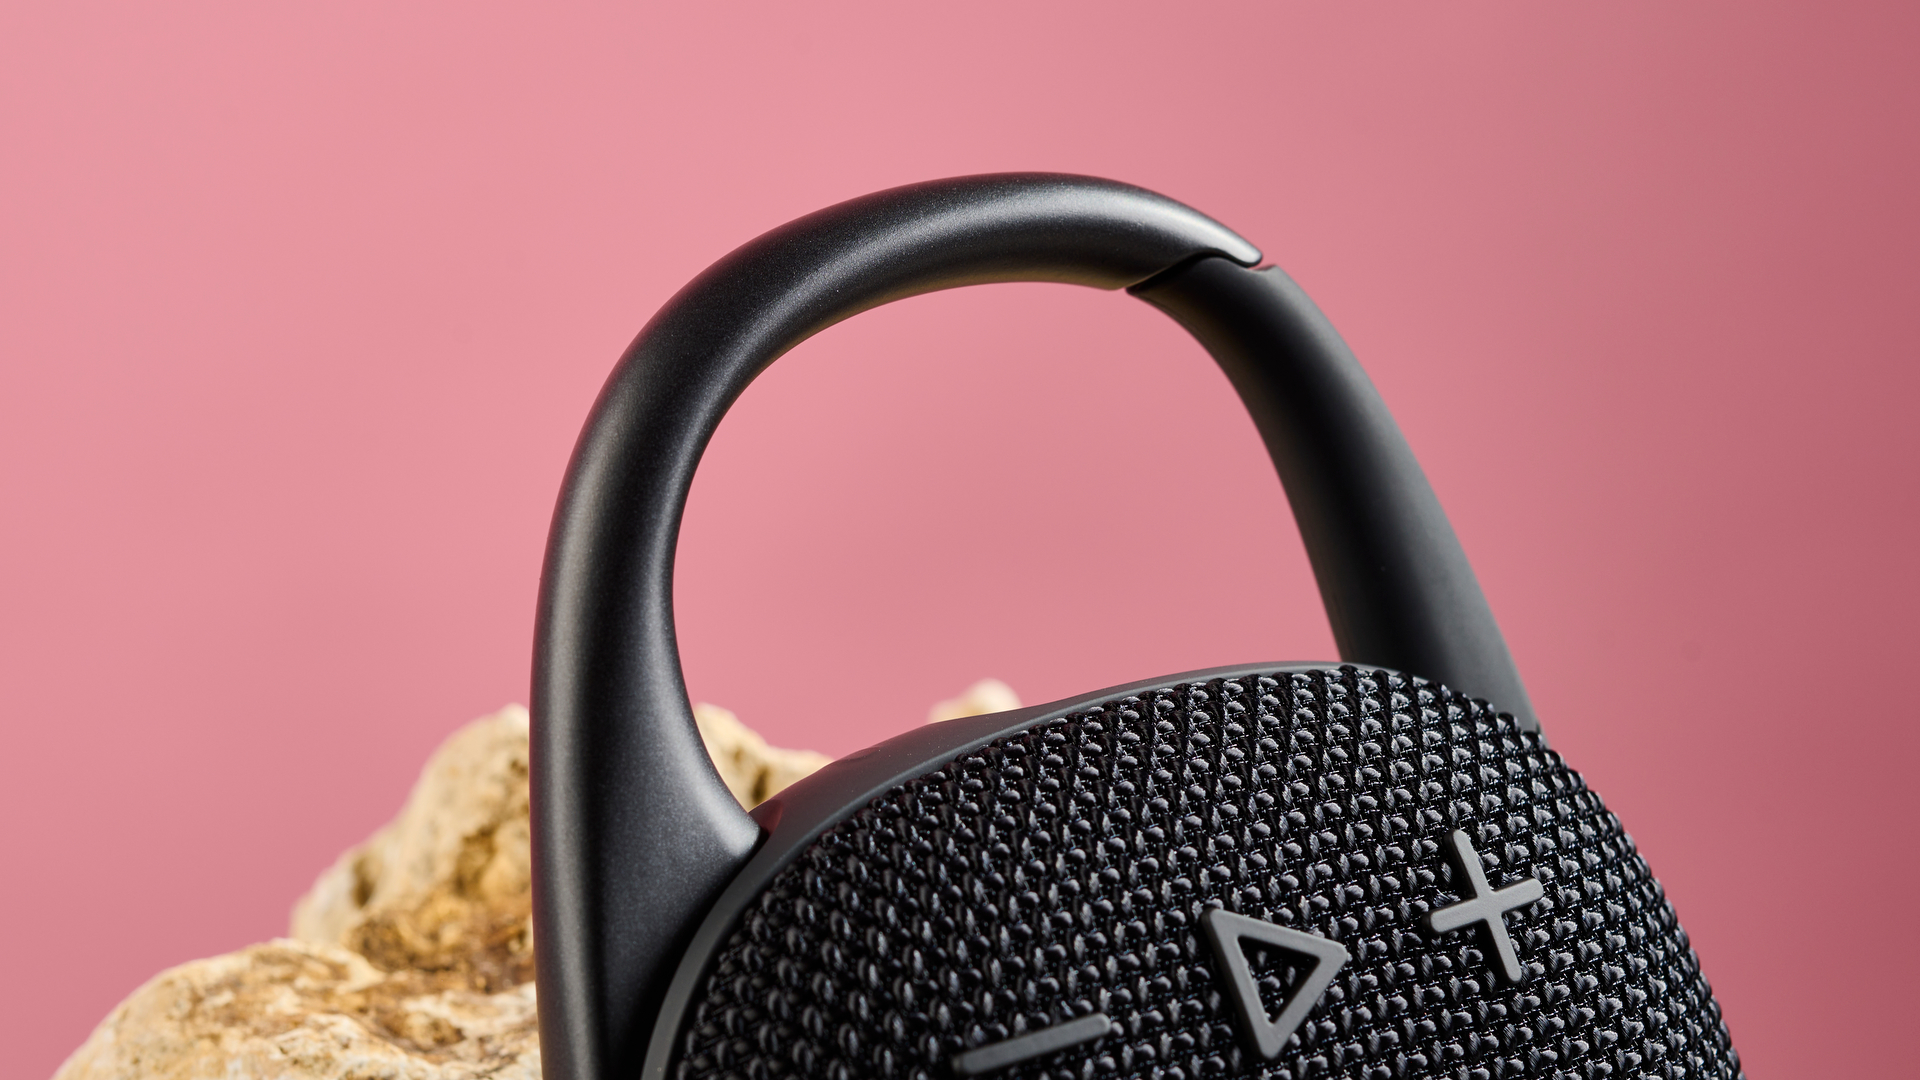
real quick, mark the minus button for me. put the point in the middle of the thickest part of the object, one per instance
(996, 1056)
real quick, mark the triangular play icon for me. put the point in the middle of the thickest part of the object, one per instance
(1225, 931)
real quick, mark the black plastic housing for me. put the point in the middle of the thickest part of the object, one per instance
(635, 836)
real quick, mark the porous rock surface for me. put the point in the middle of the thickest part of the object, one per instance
(301, 1009)
(411, 958)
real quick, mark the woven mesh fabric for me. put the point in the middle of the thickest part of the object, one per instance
(1061, 871)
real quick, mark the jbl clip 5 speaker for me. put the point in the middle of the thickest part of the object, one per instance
(1372, 869)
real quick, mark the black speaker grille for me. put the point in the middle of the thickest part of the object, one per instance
(1062, 871)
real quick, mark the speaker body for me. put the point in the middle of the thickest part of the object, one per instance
(1372, 869)
(972, 883)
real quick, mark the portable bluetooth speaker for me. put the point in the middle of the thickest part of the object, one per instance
(1367, 869)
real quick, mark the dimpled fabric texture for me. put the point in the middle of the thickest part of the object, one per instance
(1062, 871)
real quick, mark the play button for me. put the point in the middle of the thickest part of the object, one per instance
(1267, 1035)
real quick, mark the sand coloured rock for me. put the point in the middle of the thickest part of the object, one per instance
(411, 958)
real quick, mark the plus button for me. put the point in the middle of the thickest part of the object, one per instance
(1485, 905)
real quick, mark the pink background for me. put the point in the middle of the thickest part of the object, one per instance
(301, 309)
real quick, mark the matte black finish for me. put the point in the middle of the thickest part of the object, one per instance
(635, 831)
(635, 834)
(1484, 908)
(796, 817)
(1398, 588)
(1035, 1044)
(1320, 960)
(1070, 865)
